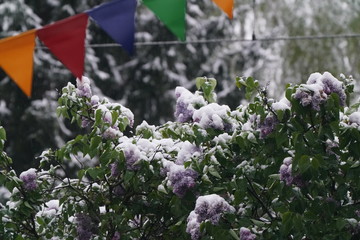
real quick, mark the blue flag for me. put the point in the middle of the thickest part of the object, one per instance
(117, 19)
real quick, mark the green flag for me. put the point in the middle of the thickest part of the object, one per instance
(171, 13)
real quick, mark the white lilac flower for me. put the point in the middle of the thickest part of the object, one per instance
(29, 179)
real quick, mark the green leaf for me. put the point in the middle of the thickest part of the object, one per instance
(40, 220)
(94, 172)
(356, 164)
(275, 176)
(234, 234)
(258, 223)
(304, 163)
(81, 174)
(287, 222)
(199, 82)
(340, 224)
(2, 133)
(114, 117)
(98, 116)
(214, 172)
(205, 179)
(19, 237)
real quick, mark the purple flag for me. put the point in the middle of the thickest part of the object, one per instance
(117, 18)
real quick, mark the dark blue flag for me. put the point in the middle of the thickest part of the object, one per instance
(117, 18)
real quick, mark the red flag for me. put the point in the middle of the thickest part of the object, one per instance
(66, 40)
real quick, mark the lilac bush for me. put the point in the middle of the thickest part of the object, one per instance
(268, 169)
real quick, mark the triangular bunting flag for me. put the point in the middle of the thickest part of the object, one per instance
(117, 19)
(66, 40)
(16, 58)
(171, 13)
(226, 5)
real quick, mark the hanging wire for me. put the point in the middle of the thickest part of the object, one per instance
(223, 40)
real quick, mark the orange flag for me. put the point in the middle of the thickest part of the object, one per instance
(16, 58)
(226, 6)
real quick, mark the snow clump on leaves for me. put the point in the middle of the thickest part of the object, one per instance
(213, 116)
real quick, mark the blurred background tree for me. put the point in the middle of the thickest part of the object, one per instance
(146, 81)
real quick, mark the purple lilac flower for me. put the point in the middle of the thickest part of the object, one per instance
(183, 113)
(193, 226)
(304, 97)
(185, 103)
(114, 170)
(111, 133)
(83, 87)
(85, 122)
(286, 174)
(182, 180)
(245, 234)
(119, 191)
(317, 88)
(267, 126)
(29, 179)
(94, 100)
(357, 212)
(132, 155)
(285, 171)
(85, 226)
(211, 207)
(332, 85)
(208, 207)
(107, 117)
(116, 236)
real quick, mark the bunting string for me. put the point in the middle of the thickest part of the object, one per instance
(223, 40)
